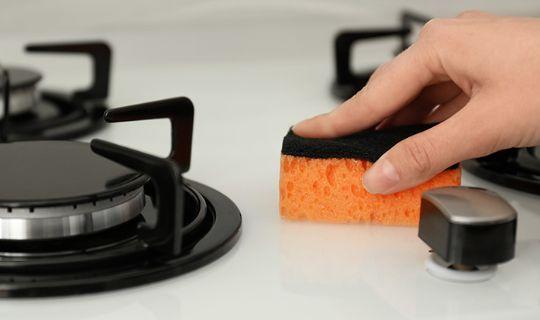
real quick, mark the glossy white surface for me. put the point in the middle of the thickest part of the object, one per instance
(252, 70)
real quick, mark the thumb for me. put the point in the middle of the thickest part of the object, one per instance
(422, 156)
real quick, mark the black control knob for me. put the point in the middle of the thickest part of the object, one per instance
(467, 228)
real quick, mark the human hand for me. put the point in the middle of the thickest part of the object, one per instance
(477, 74)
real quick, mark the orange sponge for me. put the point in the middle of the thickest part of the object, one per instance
(331, 190)
(321, 179)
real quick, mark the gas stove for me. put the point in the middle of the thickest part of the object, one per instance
(46, 114)
(78, 217)
(251, 78)
(517, 168)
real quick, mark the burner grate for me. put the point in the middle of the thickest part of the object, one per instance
(347, 83)
(517, 168)
(57, 115)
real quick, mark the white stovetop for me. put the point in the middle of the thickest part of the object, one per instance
(253, 69)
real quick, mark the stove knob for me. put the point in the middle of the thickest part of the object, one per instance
(470, 231)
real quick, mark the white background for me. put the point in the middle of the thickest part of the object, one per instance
(253, 68)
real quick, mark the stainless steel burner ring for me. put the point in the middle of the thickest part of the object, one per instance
(63, 221)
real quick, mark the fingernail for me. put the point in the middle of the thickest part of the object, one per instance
(381, 177)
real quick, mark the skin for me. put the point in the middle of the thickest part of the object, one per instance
(477, 74)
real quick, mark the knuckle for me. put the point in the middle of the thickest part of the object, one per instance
(418, 154)
(470, 14)
(497, 141)
(433, 28)
(380, 71)
(367, 102)
(467, 14)
(363, 100)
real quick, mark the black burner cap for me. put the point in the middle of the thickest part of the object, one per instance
(45, 173)
(21, 78)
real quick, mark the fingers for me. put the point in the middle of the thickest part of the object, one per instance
(422, 156)
(392, 86)
(419, 110)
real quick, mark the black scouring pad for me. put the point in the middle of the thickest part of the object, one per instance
(366, 145)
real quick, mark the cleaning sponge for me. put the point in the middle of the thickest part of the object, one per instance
(321, 179)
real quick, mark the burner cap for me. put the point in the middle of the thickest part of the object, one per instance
(21, 78)
(23, 89)
(56, 173)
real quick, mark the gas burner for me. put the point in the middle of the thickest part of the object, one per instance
(56, 115)
(78, 217)
(347, 83)
(517, 168)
